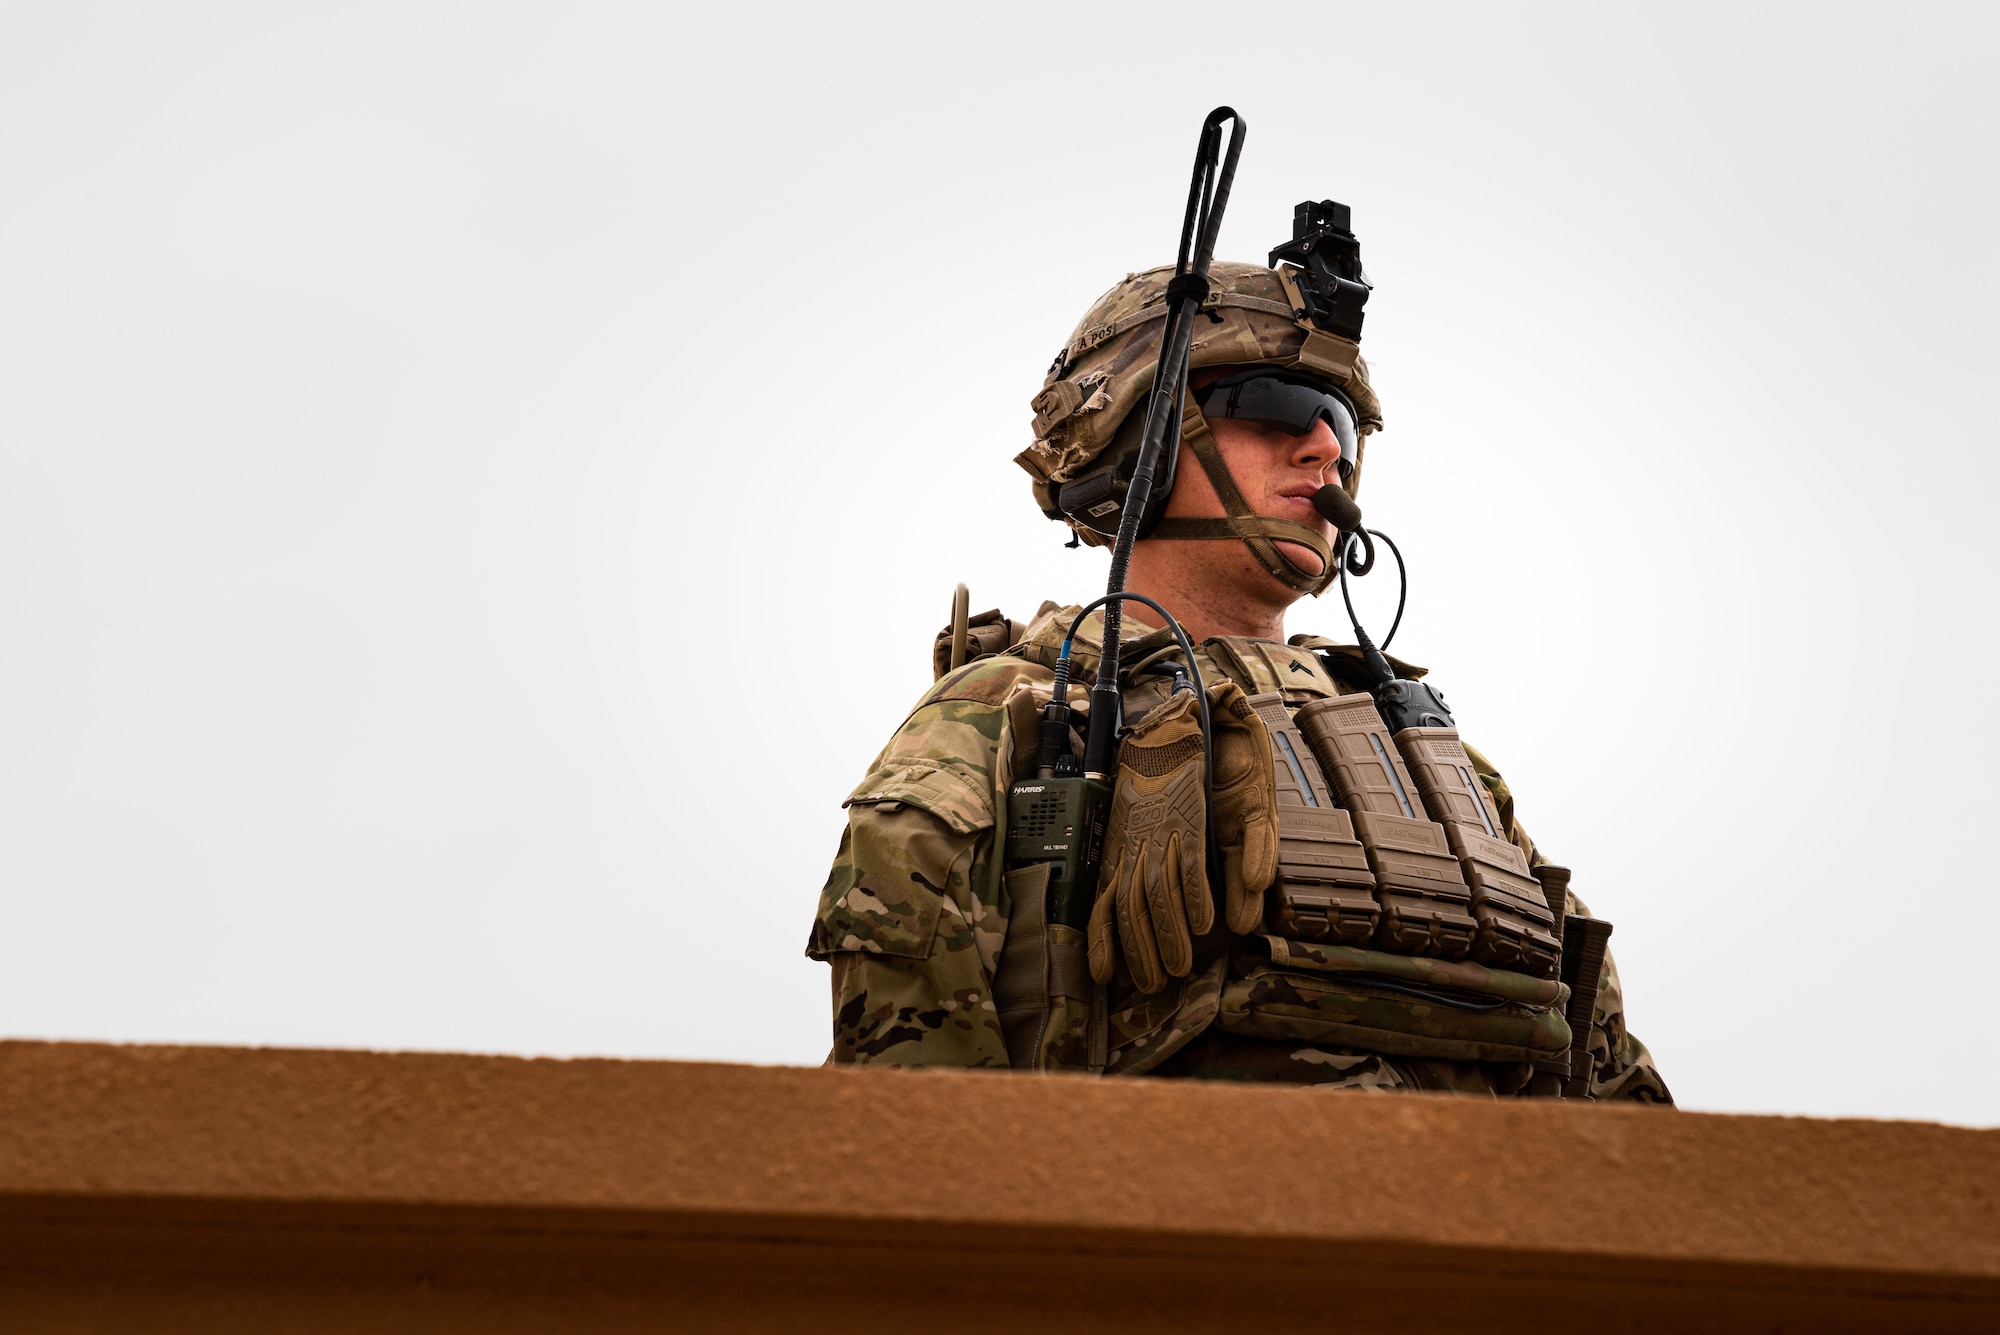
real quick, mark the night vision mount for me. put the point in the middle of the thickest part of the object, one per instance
(1331, 280)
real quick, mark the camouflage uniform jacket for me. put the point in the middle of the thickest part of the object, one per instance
(914, 914)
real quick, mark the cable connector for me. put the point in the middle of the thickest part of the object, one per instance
(1373, 659)
(1054, 747)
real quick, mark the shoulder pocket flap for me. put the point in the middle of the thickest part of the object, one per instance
(936, 786)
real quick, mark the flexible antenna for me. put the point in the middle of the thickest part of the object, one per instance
(1208, 196)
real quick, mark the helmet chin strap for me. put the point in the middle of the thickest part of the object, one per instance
(1260, 533)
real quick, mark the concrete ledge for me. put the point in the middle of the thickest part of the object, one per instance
(222, 1189)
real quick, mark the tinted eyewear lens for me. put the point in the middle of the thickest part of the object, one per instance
(1286, 405)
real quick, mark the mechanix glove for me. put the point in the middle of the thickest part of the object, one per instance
(1246, 806)
(1154, 885)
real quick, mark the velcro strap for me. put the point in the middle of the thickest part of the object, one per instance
(1104, 333)
(1021, 983)
(1069, 963)
(1329, 354)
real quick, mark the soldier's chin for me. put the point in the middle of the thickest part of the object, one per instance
(1305, 558)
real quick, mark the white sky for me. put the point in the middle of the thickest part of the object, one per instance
(478, 483)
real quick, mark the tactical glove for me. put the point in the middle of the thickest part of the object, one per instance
(1154, 883)
(1246, 806)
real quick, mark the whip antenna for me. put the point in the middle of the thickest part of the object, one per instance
(1208, 196)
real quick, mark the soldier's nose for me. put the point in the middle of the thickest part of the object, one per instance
(1315, 447)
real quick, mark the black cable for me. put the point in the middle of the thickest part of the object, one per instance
(1347, 558)
(1364, 561)
(1194, 669)
(1211, 849)
(1402, 586)
(1180, 635)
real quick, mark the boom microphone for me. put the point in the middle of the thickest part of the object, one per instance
(1337, 508)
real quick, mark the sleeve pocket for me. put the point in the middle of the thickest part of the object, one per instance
(937, 786)
(911, 831)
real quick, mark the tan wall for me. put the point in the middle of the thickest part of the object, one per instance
(218, 1189)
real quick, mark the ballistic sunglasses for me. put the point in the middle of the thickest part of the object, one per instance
(1288, 403)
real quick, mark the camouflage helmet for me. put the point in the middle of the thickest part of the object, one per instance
(1254, 316)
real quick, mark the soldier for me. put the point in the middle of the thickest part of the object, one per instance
(939, 953)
